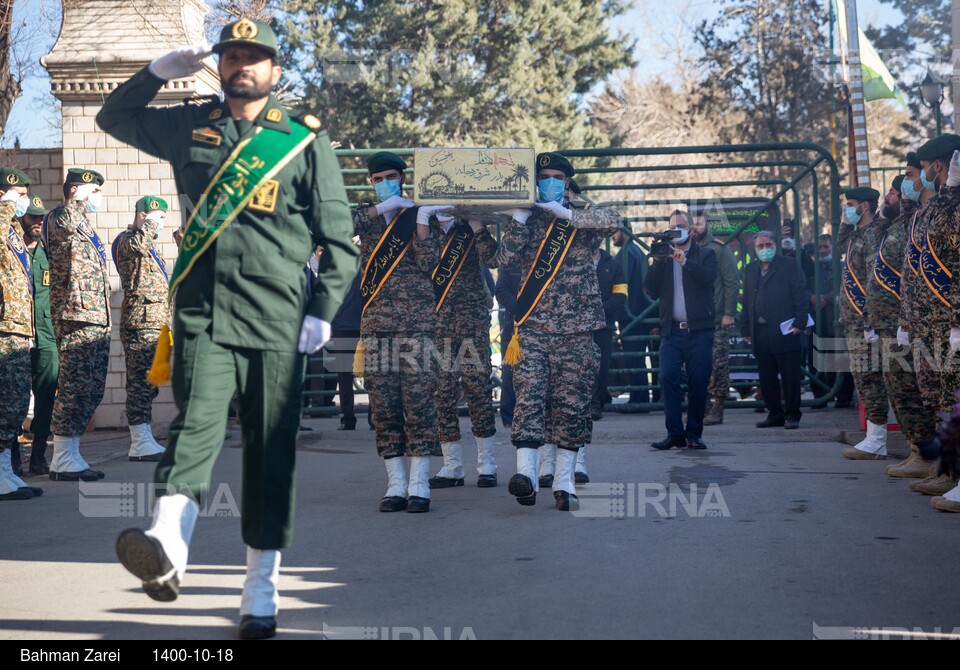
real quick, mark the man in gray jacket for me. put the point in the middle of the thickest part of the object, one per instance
(725, 295)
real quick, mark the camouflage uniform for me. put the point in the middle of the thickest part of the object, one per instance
(16, 331)
(558, 360)
(917, 420)
(860, 247)
(725, 299)
(463, 333)
(143, 313)
(943, 243)
(80, 308)
(396, 332)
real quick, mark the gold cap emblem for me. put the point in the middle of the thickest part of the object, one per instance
(244, 29)
(274, 115)
(12, 178)
(311, 122)
(544, 161)
(154, 204)
(37, 202)
(87, 177)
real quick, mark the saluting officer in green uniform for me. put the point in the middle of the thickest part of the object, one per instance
(45, 363)
(262, 189)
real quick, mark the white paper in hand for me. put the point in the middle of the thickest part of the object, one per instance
(786, 325)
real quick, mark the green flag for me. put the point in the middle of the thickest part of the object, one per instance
(878, 83)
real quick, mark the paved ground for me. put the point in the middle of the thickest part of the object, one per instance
(784, 539)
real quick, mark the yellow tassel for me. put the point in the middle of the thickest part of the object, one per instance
(358, 360)
(160, 369)
(513, 350)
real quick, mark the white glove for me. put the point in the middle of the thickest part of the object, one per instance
(392, 204)
(954, 339)
(556, 209)
(871, 336)
(314, 333)
(181, 62)
(424, 213)
(84, 191)
(953, 174)
(903, 337)
(11, 195)
(518, 214)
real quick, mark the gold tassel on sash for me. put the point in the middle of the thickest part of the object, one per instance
(358, 359)
(160, 369)
(512, 356)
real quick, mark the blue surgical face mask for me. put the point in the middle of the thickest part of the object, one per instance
(853, 215)
(23, 204)
(94, 201)
(766, 254)
(826, 259)
(909, 190)
(551, 189)
(927, 184)
(387, 188)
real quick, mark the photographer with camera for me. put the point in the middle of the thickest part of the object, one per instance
(683, 281)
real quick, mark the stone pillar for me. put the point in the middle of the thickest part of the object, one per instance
(102, 43)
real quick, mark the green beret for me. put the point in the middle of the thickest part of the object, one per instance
(863, 194)
(896, 183)
(13, 177)
(384, 160)
(575, 187)
(151, 203)
(913, 160)
(247, 31)
(939, 147)
(554, 161)
(36, 206)
(83, 176)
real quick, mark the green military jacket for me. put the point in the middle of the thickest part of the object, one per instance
(16, 304)
(251, 288)
(726, 294)
(40, 274)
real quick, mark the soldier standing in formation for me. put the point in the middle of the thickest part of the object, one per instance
(44, 362)
(145, 310)
(858, 240)
(463, 336)
(558, 309)
(243, 317)
(80, 308)
(16, 331)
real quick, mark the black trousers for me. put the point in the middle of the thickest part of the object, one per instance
(772, 365)
(604, 340)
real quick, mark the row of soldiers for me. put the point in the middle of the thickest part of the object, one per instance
(56, 321)
(900, 315)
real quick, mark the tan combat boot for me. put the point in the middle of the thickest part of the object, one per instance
(715, 415)
(914, 467)
(934, 486)
(945, 504)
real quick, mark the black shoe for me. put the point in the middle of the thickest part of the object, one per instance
(393, 504)
(546, 482)
(521, 487)
(771, 422)
(86, 476)
(144, 556)
(791, 424)
(257, 627)
(596, 414)
(486, 481)
(347, 426)
(566, 502)
(35, 490)
(580, 478)
(418, 505)
(22, 493)
(444, 482)
(666, 443)
(305, 428)
(695, 443)
(843, 404)
(152, 458)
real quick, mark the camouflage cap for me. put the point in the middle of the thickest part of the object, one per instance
(554, 161)
(36, 207)
(13, 177)
(151, 203)
(863, 194)
(247, 31)
(385, 160)
(939, 147)
(83, 176)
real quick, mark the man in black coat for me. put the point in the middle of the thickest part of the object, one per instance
(775, 310)
(635, 350)
(686, 332)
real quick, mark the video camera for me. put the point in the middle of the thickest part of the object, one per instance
(662, 245)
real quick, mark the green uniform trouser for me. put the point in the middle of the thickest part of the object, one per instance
(868, 377)
(45, 365)
(205, 376)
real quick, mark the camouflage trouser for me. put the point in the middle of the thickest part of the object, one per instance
(917, 419)
(138, 349)
(400, 376)
(550, 419)
(84, 354)
(464, 345)
(931, 352)
(719, 385)
(867, 376)
(14, 385)
(556, 375)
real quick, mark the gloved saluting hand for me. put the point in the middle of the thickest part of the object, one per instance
(180, 63)
(953, 173)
